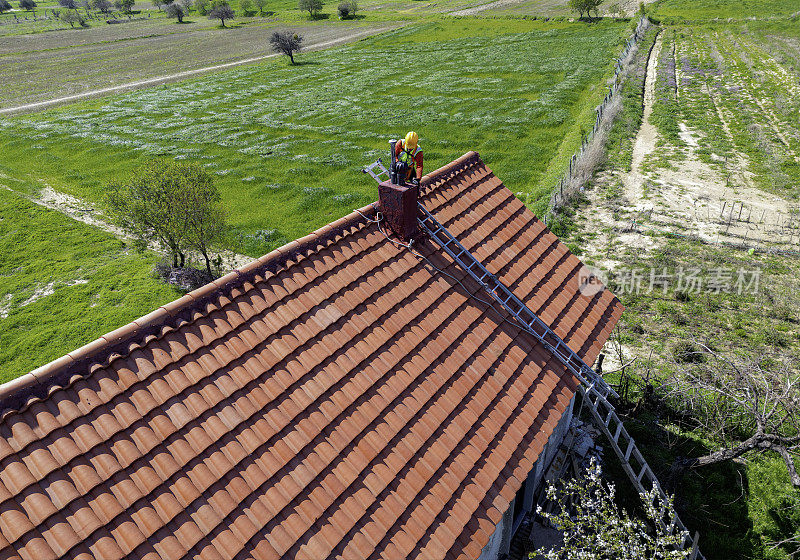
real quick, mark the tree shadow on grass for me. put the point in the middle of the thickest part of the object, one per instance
(306, 63)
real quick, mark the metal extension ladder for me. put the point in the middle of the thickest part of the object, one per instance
(594, 390)
(381, 170)
(502, 295)
(606, 418)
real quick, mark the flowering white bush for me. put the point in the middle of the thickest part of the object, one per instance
(597, 529)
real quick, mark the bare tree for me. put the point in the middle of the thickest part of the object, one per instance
(221, 11)
(158, 4)
(753, 405)
(260, 5)
(286, 42)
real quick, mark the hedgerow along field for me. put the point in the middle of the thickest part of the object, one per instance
(287, 143)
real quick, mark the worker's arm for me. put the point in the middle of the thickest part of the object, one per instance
(418, 159)
(398, 147)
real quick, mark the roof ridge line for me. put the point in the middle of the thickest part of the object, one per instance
(17, 394)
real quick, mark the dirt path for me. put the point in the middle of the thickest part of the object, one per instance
(631, 213)
(646, 138)
(629, 7)
(41, 105)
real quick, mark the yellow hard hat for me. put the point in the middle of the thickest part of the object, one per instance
(411, 140)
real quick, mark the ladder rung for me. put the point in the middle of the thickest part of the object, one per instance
(628, 451)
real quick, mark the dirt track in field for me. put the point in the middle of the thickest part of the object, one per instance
(52, 76)
(688, 198)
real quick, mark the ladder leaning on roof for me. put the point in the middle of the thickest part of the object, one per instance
(594, 389)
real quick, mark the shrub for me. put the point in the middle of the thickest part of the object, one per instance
(682, 296)
(347, 9)
(27, 5)
(4, 6)
(688, 352)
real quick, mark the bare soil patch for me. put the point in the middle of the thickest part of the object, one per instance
(634, 212)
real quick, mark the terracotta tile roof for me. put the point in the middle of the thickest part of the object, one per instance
(335, 398)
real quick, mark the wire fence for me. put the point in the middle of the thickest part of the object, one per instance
(632, 43)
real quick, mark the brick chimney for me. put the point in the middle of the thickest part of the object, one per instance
(398, 204)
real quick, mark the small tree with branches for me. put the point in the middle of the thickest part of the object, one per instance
(260, 5)
(125, 5)
(72, 17)
(313, 7)
(172, 205)
(221, 10)
(585, 6)
(176, 10)
(595, 528)
(103, 6)
(286, 42)
(752, 405)
(4, 6)
(27, 5)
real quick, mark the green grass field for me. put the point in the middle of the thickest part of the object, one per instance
(695, 10)
(287, 142)
(63, 284)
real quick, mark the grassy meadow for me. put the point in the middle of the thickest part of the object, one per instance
(64, 283)
(287, 143)
(673, 11)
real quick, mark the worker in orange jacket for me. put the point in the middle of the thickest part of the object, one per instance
(409, 152)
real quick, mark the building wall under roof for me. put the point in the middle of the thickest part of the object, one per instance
(500, 540)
